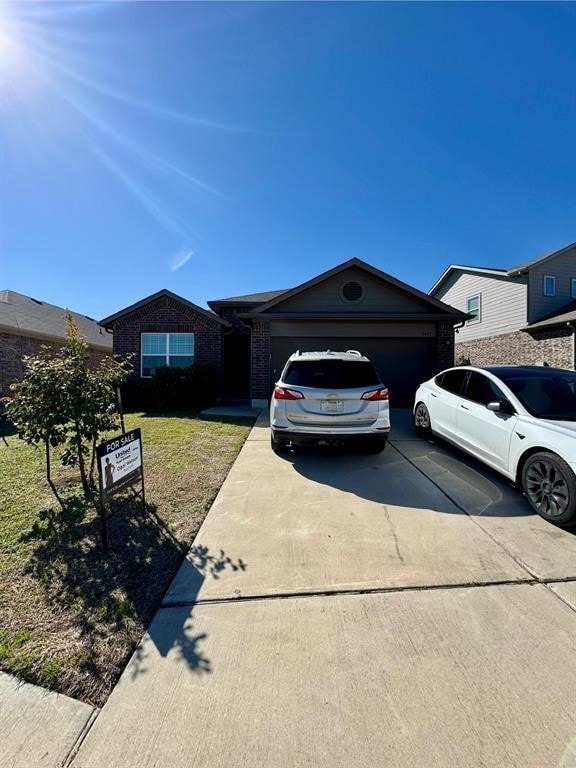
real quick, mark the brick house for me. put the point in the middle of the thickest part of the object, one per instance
(408, 334)
(522, 315)
(28, 324)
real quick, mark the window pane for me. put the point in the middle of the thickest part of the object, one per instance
(473, 304)
(453, 381)
(481, 390)
(151, 362)
(332, 374)
(181, 361)
(573, 287)
(549, 285)
(153, 343)
(181, 343)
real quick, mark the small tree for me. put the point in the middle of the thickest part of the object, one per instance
(61, 401)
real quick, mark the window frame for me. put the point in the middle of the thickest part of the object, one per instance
(478, 317)
(546, 293)
(168, 354)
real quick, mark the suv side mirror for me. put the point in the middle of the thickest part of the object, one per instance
(501, 406)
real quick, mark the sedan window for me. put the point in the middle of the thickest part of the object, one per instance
(482, 390)
(452, 380)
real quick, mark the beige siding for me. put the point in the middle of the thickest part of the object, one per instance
(378, 297)
(563, 268)
(503, 303)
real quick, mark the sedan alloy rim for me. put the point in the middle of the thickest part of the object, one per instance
(547, 488)
(421, 417)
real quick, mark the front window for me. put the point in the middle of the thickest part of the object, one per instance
(481, 389)
(549, 285)
(473, 308)
(175, 350)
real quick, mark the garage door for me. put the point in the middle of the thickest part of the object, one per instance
(402, 363)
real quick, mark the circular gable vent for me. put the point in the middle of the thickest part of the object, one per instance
(352, 291)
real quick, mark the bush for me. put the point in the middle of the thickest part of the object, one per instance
(172, 389)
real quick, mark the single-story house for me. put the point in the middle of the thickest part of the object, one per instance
(27, 324)
(520, 315)
(408, 334)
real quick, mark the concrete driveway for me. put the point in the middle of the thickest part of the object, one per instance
(400, 610)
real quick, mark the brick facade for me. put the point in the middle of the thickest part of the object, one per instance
(260, 367)
(555, 347)
(444, 345)
(13, 348)
(167, 315)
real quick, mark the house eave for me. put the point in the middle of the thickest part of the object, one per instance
(164, 292)
(454, 317)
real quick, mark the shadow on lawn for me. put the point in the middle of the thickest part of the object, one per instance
(111, 598)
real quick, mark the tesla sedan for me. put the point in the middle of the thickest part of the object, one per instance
(519, 420)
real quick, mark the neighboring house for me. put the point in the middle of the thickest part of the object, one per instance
(523, 315)
(407, 334)
(27, 324)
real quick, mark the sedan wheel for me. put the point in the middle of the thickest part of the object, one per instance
(422, 420)
(550, 487)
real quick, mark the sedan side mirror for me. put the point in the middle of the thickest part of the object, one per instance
(501, 406)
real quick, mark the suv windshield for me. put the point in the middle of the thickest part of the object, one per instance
(546, 395)
(331, 374)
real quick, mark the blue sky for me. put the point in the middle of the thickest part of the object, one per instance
(220, 149)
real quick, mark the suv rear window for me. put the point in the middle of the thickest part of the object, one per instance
(331, 374)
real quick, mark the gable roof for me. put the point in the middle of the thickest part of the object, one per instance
(520, 269)
(25, 316)
(435, 304)
(164, 292)
(465, 268)
(247, 299)
(561, 316)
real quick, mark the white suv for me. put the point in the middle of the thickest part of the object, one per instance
(329, 397)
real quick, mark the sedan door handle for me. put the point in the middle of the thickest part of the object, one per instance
(464, 408)
(433, 395)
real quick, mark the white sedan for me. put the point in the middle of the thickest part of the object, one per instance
(521, 421)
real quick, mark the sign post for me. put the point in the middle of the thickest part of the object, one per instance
(120, 467)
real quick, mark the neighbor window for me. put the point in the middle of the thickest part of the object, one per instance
(473, 308)
(549, 285)
(573, 287)
(175, 350)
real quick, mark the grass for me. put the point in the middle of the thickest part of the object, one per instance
(70, 616)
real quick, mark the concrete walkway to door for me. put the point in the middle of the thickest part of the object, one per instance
(341, 610)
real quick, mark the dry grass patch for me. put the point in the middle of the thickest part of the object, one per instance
(70, 616)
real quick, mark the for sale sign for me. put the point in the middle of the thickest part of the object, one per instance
(120, 462)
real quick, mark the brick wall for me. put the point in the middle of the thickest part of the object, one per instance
(166, 315)
(260, 365)
(13, 348)
(444, 345)
(521, 348)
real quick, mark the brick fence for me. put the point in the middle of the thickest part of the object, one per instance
(521, 348)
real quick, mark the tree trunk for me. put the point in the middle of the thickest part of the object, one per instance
(49, 475)
(82, 464)
(93, 462)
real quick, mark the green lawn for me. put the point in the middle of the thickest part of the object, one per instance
(70, 616)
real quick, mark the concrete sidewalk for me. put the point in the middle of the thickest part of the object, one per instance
(345, 611)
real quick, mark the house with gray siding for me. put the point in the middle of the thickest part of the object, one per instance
(521, 315)
(406, 333)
